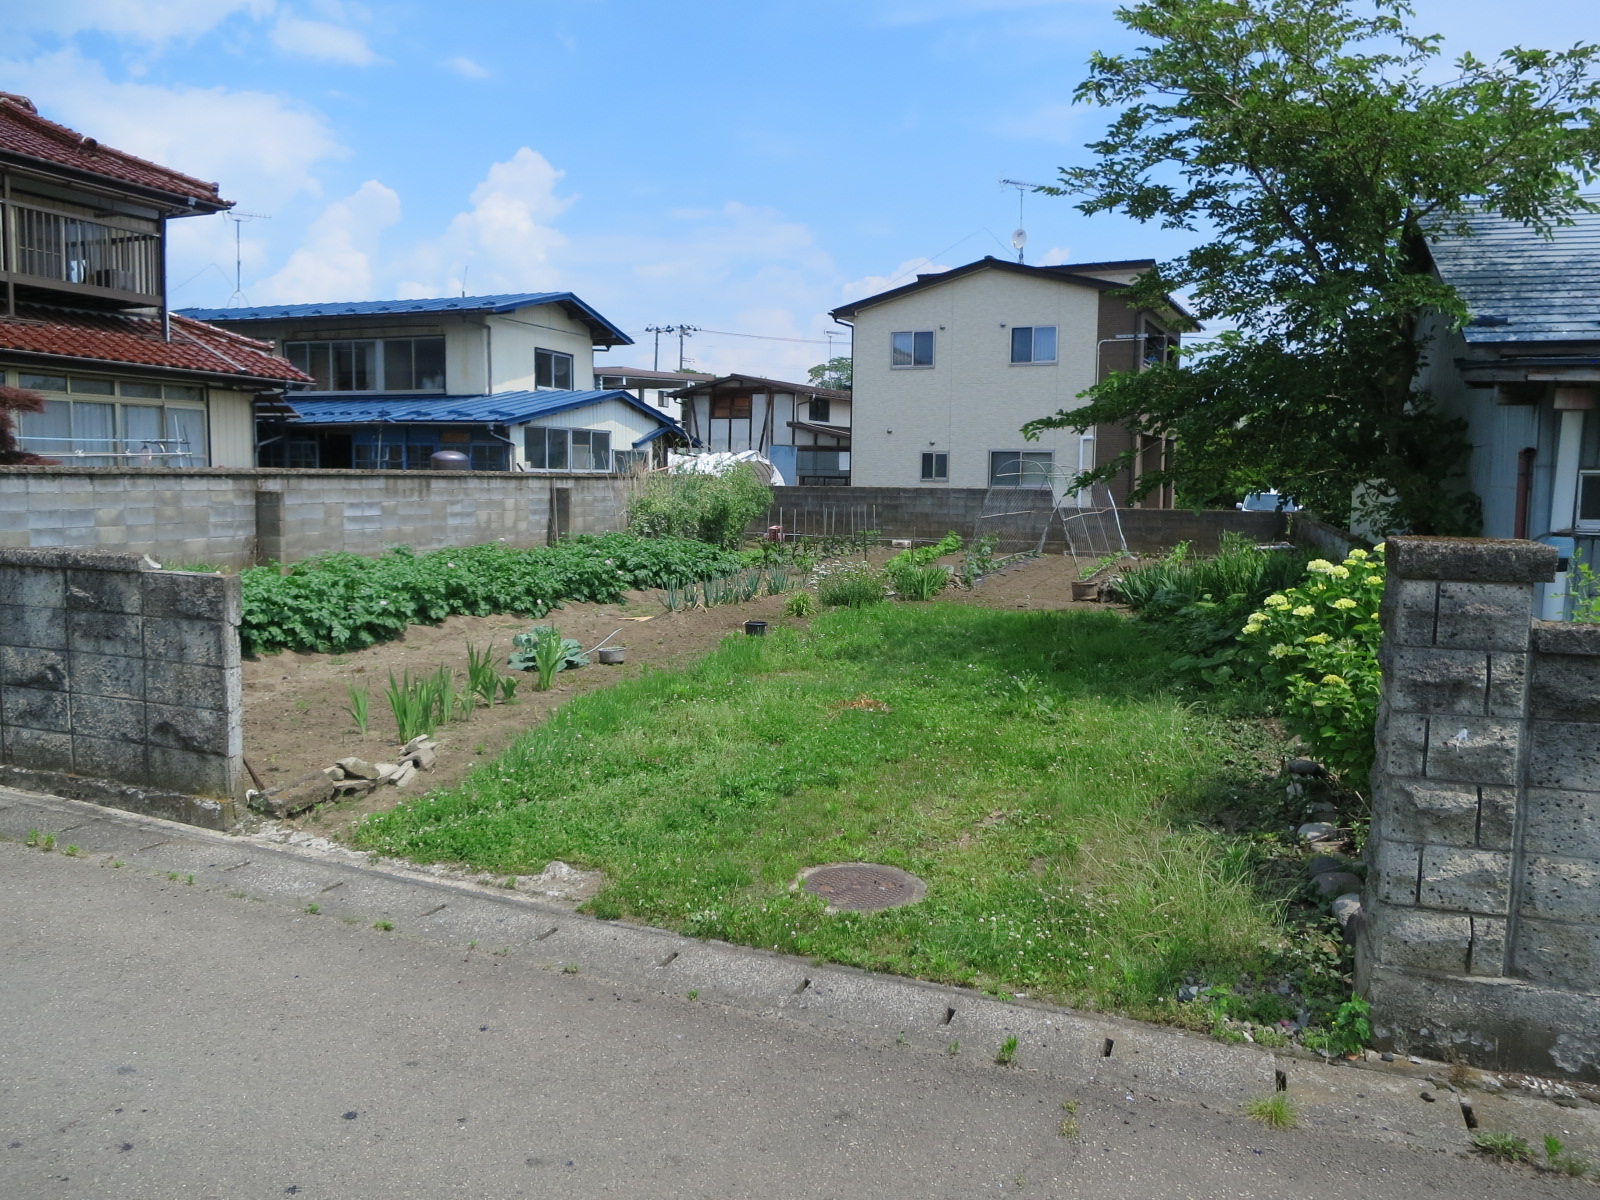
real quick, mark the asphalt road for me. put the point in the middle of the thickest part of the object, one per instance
(169, 1040)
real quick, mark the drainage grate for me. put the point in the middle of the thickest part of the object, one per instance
(862, 887)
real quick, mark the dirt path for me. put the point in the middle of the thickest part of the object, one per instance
(294, 704)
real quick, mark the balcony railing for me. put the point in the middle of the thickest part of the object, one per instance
(92, 256)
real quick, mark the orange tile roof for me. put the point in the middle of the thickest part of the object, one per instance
(127, 340)
(25, 133)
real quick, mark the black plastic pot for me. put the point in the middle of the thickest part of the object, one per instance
(755, 628)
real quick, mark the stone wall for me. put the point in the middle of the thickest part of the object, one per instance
(234, 518)
(930, 513)
(120, 683)
(1482, 937)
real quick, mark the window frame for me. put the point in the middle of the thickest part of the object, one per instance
(1587, 480)
(116, 395)
(825, 415)
(933, 471)
(1023, 459)
(566, 437)
(1033, 358)
(545, 362)
(913, 350)
(303, 353)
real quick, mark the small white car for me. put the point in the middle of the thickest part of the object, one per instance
(1267, 502)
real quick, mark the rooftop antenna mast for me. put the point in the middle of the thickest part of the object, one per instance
(238, 219)
(1019, 239)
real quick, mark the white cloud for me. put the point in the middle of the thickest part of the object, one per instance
(504, 242)
(1055, 256)
(335, 261)
(906, 272)
(462, 65)
(322, 41)
(151, 21)
(261, 148)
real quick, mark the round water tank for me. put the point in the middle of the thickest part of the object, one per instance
(449, 460)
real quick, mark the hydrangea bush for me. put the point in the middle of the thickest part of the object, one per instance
(1318, 643)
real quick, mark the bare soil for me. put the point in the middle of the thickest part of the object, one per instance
(294, 704)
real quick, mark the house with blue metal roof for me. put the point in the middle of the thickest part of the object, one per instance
(1524, 373)
(508, 380)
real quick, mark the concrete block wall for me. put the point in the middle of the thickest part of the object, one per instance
(926, 513)
(235, 518)
(124, 678)
(1483, 890)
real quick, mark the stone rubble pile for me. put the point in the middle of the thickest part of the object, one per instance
(352, 776)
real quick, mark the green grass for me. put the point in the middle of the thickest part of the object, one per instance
(1033, 768)
(1276, 1111)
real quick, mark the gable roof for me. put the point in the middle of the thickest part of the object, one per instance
(605, 333)
(28, 139)
(497, 408)
(65, 337)
(1520, 286)
(756, 382)
(1063, 274)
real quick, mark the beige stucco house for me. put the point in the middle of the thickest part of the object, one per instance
(948, 368)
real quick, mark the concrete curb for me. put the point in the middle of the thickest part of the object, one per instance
(1152, 1063)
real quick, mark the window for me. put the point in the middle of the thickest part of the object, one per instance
(1033, 343)
(552, 370)
(1020, 468)
(935, 466)
(566, 449)
(730, 408)
(821, 409)
(1158, 345)
(102, 433)
(911, 349)
(821, 462)
(485, 457)
(1589, 499)
(372, 365)
(591, 450)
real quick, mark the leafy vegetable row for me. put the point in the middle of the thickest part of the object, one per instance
(339, 602)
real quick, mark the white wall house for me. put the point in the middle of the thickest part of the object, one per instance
(948, 369)
(508, 380)
(802, 429)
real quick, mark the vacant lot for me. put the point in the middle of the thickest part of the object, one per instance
(1066, 809)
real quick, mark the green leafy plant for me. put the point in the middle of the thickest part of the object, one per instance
(1347, 1033)
(49, 842)
(1558, 1158)
(544, 650)
(801, 604)
(1583, 590)
(1276, 1111)
(1505, 1146)
(1318, 643)
(32, 838)
(508, 689)
(481, 680)
(339, 602)
(383, 926)
(420, 705)
(851, 585)
(915, 572)
(711, 508)
(979, 559)
(313, 908)
(1007, 1052)
(359, 706)
(71, 850)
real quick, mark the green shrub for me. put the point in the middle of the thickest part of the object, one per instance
(851, 585)
(1163, 589)
(710, 508)
(339, 602)
(801, 604)
(915, 572)
(1318, 643)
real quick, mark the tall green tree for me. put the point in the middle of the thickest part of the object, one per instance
(835, 373)
(1314, 146)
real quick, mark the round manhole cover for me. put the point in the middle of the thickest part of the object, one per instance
(862, 887)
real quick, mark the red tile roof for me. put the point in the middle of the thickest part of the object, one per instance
(118, 338)
(24, 132)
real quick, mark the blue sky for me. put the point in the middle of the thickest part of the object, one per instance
(741, 167)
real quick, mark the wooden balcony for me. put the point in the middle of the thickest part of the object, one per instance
(111, 259)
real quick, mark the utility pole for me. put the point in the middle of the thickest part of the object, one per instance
(658, 330)
(683, 332)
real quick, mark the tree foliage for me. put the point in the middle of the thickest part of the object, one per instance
(835, 373)
(14, 401)
(1316, 145)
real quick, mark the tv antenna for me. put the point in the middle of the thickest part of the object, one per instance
(1019, 238)
(238, 219)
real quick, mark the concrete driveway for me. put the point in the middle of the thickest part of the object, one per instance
(165, 1038)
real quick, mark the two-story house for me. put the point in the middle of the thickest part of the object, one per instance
(83, 309)
(949, 368)
(803, 430)
(1524, 373)
(508, 380)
